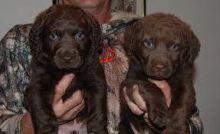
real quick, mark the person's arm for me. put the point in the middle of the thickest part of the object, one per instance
(9, 120)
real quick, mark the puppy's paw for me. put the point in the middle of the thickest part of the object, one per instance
(153, 101)
(156, 104)
(158, 118)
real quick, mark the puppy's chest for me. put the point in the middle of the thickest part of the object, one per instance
(77, 84)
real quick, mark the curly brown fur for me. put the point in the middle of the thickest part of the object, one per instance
(160, 47)
(64, 39)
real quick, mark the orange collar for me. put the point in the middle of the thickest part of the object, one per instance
(108, 55)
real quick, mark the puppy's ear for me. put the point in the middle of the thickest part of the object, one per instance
(95, 30)
(95, 37)
(131, 37)
(192, 46)
(35, 35)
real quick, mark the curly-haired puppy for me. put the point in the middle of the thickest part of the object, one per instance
(160, 47)
(65, 39)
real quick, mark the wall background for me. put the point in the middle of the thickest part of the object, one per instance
(202, 15)
(14, 12)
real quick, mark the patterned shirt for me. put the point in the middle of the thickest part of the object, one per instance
(15, 73)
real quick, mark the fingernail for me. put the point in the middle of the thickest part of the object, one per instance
(71, 75)
(146, 115)
(124, 90)
(135, 87)
(140, 113)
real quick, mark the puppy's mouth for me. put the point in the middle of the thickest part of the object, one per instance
(70, 64)
(68, 59)
(158, 73)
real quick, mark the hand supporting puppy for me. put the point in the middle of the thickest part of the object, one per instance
(138, 106)
(64, 111)
(68, 110)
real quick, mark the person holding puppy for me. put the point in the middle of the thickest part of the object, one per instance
(14, 76)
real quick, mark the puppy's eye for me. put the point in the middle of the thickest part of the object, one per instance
(174, 47)
(149, 44)
(53, 36)
(80, 35)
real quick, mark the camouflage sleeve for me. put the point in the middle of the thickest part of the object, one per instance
(9, 120)
(195, 123)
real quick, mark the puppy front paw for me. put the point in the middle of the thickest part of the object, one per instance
(158, 117)
(156, 104)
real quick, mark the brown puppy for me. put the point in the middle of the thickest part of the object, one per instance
(64, 39)
(160, 47)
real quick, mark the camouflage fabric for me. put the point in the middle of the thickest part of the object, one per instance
(14, 76)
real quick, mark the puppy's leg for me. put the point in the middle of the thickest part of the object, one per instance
(39, 96)
(43, 121)
(176, 123)
(155, 101)
(180, 111)
(124, 126)
(97, 111)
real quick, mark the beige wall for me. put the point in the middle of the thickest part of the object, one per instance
(14, 12)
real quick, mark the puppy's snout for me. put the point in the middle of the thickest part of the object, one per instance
(159, 67)
(67, 54)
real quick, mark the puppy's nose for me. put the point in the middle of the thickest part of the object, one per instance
(68, 55)
(159, 67)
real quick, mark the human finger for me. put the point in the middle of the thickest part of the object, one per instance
(146, 116)
(138, 99)
(62, 107)
(132, 106)
(61, 87)
(73, 101)
(71, 114)
(165, 88)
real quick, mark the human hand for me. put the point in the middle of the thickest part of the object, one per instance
(138, 106)
(26, 124)
(66, 110)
